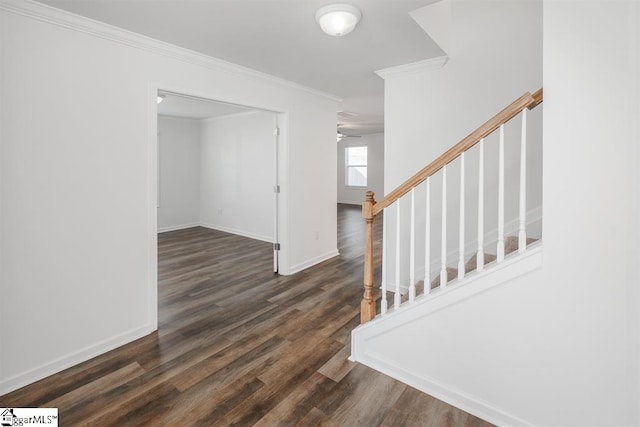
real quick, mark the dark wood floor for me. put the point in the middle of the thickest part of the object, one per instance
(238, 345)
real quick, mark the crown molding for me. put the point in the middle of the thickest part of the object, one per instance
(414, 67)
(51, 15)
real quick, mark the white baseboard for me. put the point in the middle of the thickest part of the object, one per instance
(28, 377)
(178, 227)
(313, 261)
(218, 228)
(242, 233)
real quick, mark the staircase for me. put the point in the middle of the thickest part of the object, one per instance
(421, 225)
(371, 208)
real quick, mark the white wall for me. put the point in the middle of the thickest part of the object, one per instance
(238, 174)
(375, 165)
(560, 346)
(179, 173)
(312, 170)
(495, 57)
(217, 172)
(78, 180)
(591, 80)
(496, 49)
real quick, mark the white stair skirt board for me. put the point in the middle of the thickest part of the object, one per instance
(473, 284)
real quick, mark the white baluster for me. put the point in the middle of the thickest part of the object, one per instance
(412, 249)
(427, 240)
(522, 234)
(443, 245)
(383, 285)
(396, 297)
(480, 253)
(500, 248)
(461, 232)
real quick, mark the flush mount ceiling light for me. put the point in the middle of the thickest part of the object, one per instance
(160, 98)
(338, 19)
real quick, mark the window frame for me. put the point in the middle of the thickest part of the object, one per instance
(348, 166)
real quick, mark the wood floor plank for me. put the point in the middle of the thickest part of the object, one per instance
(339, 365)
(316, 417)
(238, 345)
(365, 399)
(277, 387)
(234, 358)
(114, 379)
(206, 403)
(294, 407)
(343, 334)
(313, 352)
(323, 321)
(132, 412)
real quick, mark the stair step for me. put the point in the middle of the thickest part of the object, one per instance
(510, 245)
(452, 273)
(472, 263)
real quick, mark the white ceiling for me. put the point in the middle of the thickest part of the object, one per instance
(282, 38)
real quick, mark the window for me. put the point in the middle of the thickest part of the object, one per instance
(356, 161)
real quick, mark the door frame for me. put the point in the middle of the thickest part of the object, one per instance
(281, 199)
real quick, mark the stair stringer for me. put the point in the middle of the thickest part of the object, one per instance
(473, 285)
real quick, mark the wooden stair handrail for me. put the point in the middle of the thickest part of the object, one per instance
(537, 96)
(525, 101)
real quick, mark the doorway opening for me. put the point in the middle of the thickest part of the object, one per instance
(217, 168)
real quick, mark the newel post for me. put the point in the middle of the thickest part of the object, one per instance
(368, 305)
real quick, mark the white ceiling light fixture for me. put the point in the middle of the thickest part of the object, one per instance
(338, 19)
(161, 98)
